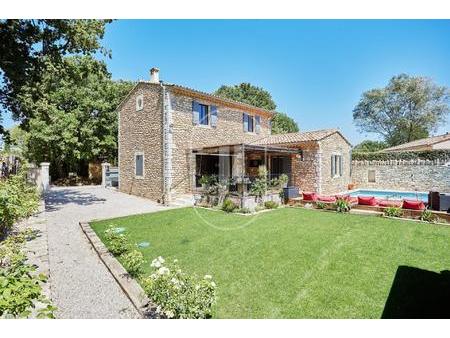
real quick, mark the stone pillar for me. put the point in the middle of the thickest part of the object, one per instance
(105, 168)
(45, 176)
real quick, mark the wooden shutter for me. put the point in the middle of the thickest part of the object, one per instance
(245, 120)
(332, 166)
(195, 113)
(257, 124)
(213, 111)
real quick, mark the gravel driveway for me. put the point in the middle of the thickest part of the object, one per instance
(81, 286)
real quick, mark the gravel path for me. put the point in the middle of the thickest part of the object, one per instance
(81, 286)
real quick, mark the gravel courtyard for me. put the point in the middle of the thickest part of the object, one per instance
(81, 286)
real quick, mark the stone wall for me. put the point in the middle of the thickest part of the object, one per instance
(187, 136)
(421, 175)
(141, 131)
(334, 145)
(306, 170)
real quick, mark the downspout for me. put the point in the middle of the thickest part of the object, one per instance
(167, 145)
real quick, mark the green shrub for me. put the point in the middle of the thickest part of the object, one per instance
(229, 206)
(178, 294)
(406, 155)
(117, 243)
(270, 205)
(132, 262)
(18, 200)
(20, 286)
(342, 205)
(320, 205)
(428, 216)
(243, 211)
(393, 212)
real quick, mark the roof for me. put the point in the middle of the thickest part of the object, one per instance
(308, 136)
(422, 143)
(206, 96)
(246, 146)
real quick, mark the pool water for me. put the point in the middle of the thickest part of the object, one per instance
(392, 195)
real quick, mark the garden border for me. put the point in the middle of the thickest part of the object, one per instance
(130, 286)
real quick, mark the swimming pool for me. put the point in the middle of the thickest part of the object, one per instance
(390, 194)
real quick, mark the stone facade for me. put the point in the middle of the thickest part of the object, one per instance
(334, 145)
(403, 175)
(187, 136)
(141, 132)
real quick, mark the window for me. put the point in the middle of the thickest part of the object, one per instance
(249, 123)
(371, 176)
(336, 165)
(139, 102)
(203, 114)
(139, 164)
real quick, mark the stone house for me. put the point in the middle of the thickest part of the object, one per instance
(440, 142)
(170, 136)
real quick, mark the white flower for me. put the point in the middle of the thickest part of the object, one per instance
(175, 260)
(169, 314)
(158, 309)
(208, 277)
(155, 263)
(197, 287)
(163, 270)
(213, 284)
(161, 260)
(174, 280)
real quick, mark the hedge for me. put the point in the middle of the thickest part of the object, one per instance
(431, 155)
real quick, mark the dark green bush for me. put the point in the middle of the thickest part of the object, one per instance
(117, 243)
(229, 206)
(270, 205)
(342, 205)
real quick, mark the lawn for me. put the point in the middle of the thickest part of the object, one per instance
(296, 263)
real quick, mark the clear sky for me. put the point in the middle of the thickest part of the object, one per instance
(316, 70)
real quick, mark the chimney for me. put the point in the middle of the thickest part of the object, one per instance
(154, 75)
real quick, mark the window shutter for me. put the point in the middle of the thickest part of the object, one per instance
(213, 110)
(245, 117)
(195, 113)
(332, 166)
(340, 165)
(257, 124)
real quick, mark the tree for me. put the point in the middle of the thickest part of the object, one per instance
(74, 121)
(259, 97)
(27, 45)
(407, 109)
(369, 146)
(281, 124)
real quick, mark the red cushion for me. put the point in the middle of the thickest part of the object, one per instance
(388, 203)
(326, 198)
(353, 200)
(413, 204)
(362, 200)
(309, 196)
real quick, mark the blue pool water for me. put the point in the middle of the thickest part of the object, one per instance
(384, 194)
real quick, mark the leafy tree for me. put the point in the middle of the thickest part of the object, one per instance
(27, 45)
(16, 142)
(369, 146)
(407, 109)
(74, 121)
(259, 97)
(281, 124)
(247, 93)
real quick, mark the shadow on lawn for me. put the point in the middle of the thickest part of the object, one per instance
(417, 293)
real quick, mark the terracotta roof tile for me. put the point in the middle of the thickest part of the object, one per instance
(424, 142)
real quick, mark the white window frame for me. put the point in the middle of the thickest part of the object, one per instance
(141, 107)
(337, 168)
(137, 153)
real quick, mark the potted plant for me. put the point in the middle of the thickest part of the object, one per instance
(204, 181)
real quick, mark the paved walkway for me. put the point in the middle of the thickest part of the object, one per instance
(81, 286)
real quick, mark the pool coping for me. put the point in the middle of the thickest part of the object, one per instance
(129, 285)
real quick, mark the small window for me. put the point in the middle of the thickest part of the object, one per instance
(336, 165)
(249, 123)
(139, 102)
(139, 164)
(371, 176)
(203, 114)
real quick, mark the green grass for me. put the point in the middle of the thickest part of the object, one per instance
(291, 263)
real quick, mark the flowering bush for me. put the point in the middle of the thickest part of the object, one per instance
(178, 294)
(132, 262)
(117, 242)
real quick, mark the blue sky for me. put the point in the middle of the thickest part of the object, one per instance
(316, 70)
